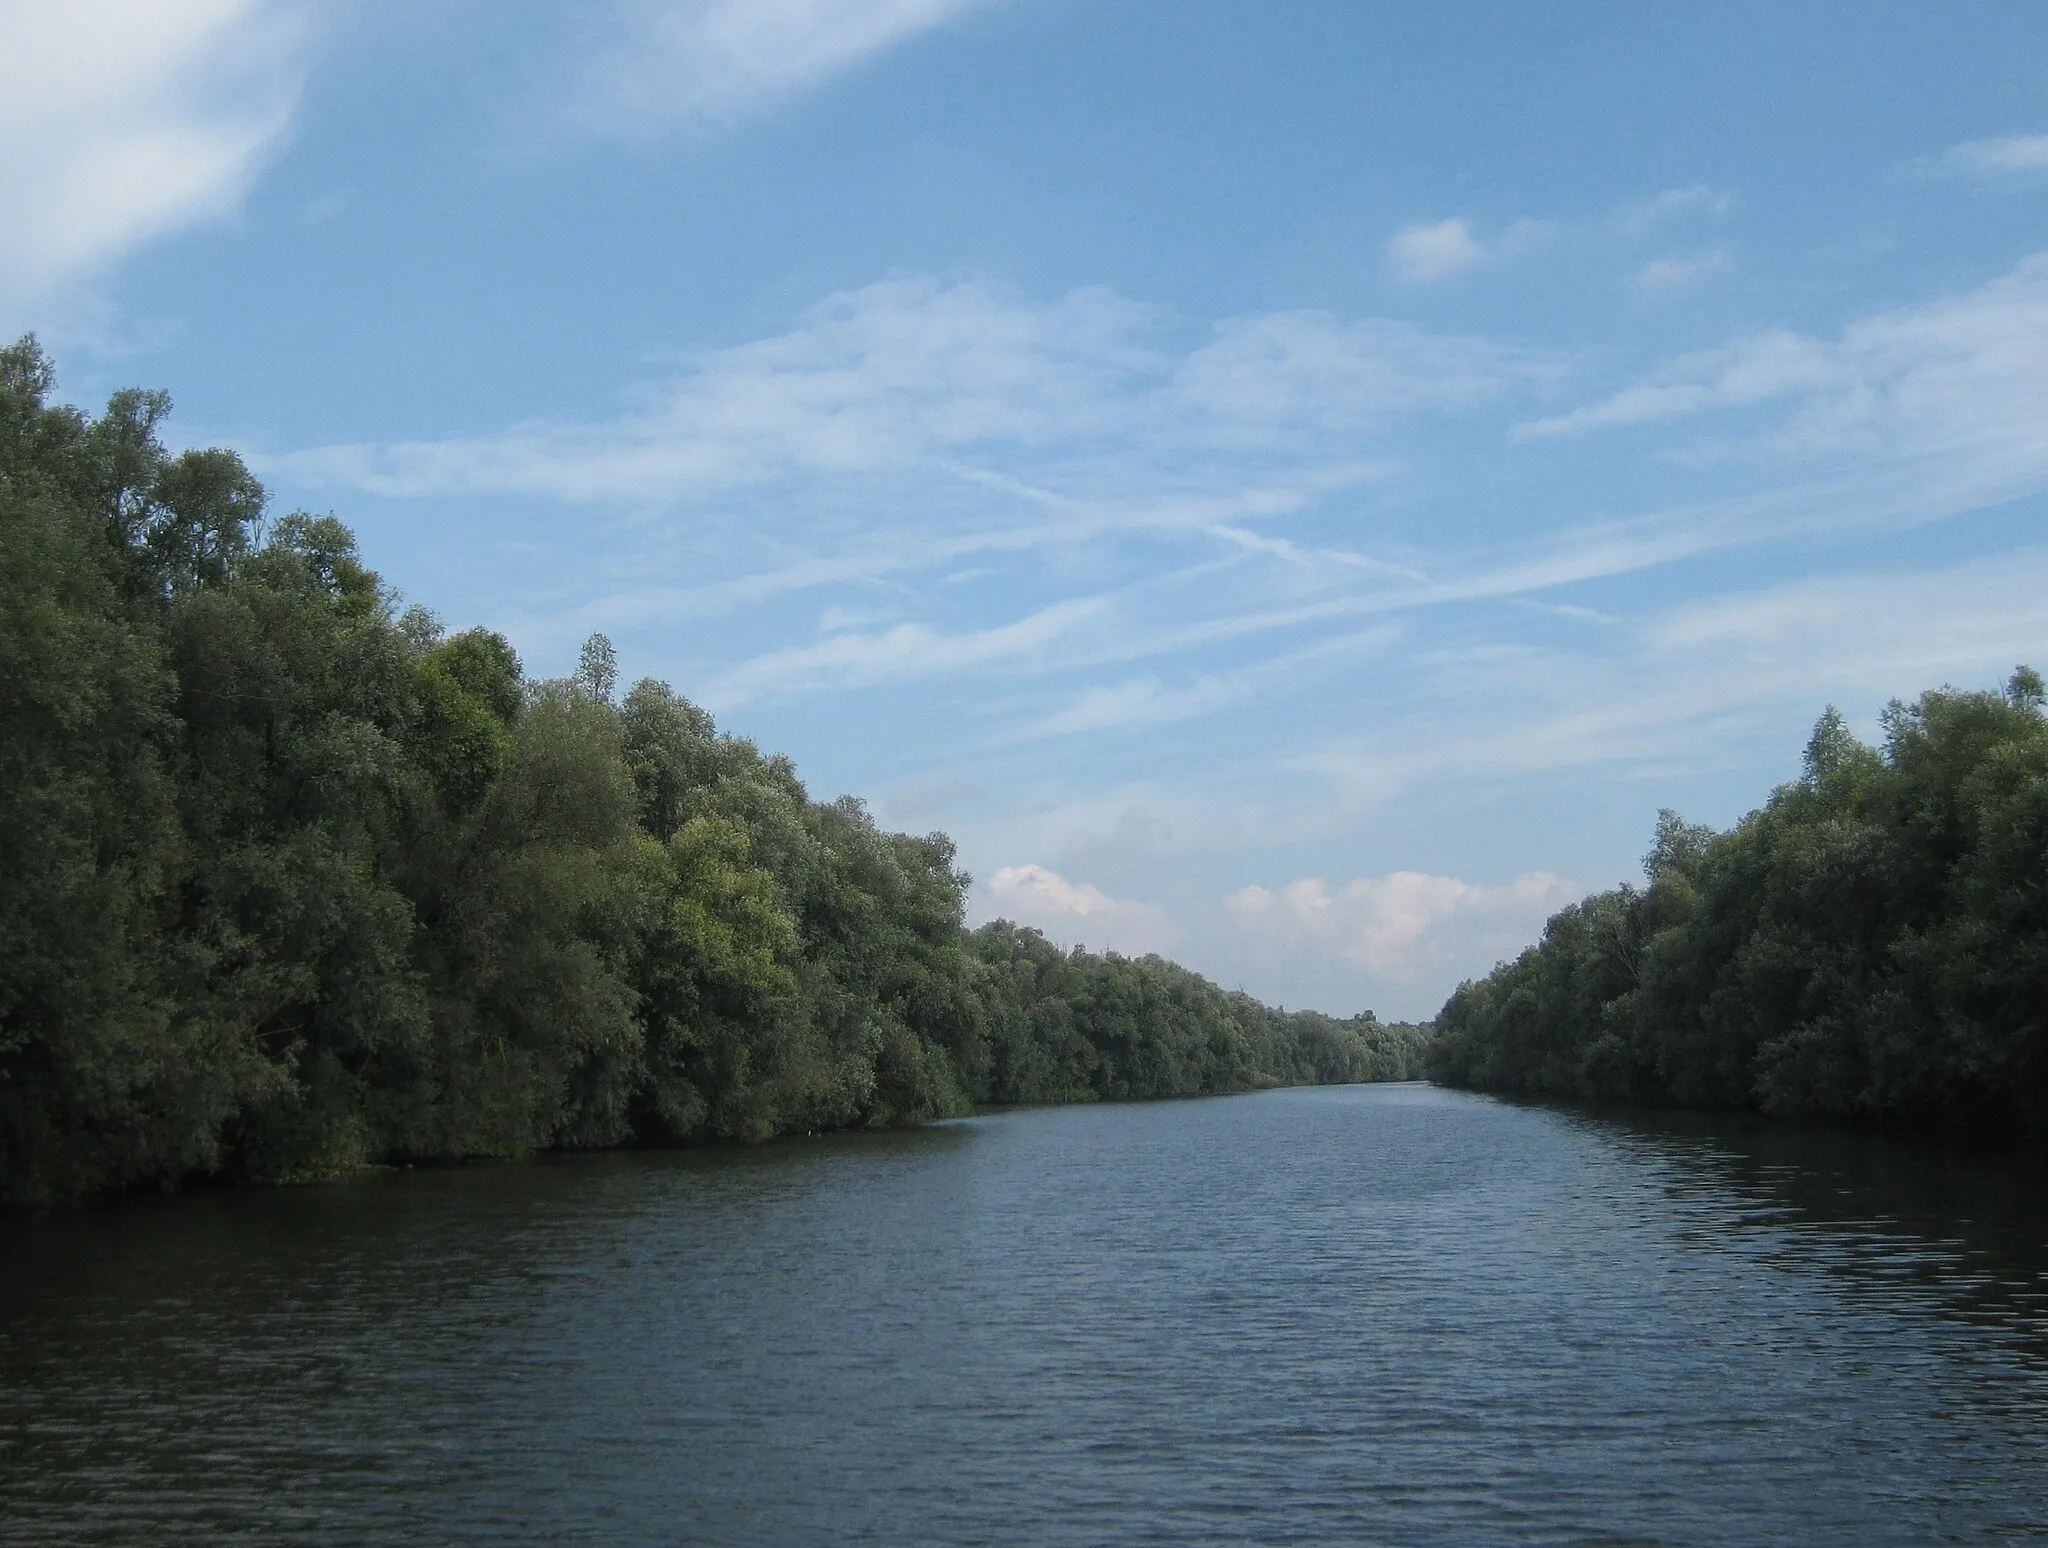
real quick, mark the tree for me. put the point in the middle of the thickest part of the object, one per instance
(297, 882)
(1872, 942)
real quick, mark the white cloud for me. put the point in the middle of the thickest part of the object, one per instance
(1690, 691)
(1296, 375)
(1669, 275)
(1134, 704)
(875, 379)
(1906, 417)
(1076, 911)
(1867, 636)
(1427, 252)
(705, 63)
(1951, 385)
(2000, 159)
(918, 373)
(880, 396)
(1144, 702)
(906, 650)
(1424, 254)
(1421, 255)
(886, 555)
(1645, 215)
(1701, 681)
(122, 121)
(1406, 926)
(1753, 370)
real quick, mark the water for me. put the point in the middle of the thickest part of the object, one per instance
(1348, 1315)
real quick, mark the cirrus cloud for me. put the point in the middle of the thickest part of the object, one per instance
(1645, 215)
(665, 64)
(916, 372)
(1999, 159)
(1669, 275)
(1949, 385)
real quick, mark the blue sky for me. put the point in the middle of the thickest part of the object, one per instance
(1293, 485)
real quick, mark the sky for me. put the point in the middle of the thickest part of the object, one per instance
(1291, 484)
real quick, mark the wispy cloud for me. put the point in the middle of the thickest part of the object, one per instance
(884, 555)
(1429, 252)
(1643, 216)
(907, 650)
(1691, 681)
(897, 373)
(1953, 432)
(1669, 275)
(1299, 378)
(1970, 622)
(1752, 370)
(661, 65)
(1423, 254)
(1230, 575)
(919, 372)
(1951, 385)
(122, 121)
(2001, 159)
(1686, 690)
(1904, 418)
(1142, 703)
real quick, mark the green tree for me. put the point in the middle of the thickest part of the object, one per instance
(296, 882)
(1870, 942)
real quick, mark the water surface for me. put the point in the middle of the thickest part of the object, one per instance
(1342, 1315)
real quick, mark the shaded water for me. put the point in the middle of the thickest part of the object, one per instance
(1346, 1315)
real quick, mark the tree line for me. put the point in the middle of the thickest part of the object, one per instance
(295, 880)
(1871, 943)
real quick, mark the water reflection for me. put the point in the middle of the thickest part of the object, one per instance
(1933, 1223)
(1341, 1315)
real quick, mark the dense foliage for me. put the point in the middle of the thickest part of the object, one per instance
(293, 882)
(1873, 942)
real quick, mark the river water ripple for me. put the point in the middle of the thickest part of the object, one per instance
(1342, 1315)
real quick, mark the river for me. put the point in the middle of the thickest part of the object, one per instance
(1338, 1315)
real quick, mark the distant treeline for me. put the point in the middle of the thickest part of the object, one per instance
(1872, 943)
(291, 882)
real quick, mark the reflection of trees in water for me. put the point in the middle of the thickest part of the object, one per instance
(381, 1248)
(284, 1327)
(1962, 1230)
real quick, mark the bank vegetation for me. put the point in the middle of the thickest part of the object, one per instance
(297, 881)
